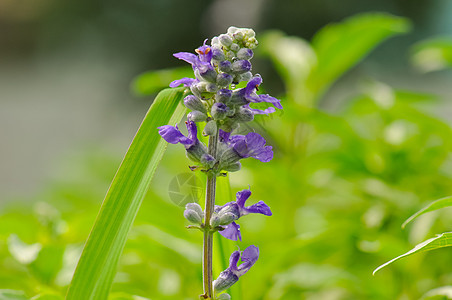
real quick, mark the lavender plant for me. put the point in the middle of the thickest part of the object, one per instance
(213, 98)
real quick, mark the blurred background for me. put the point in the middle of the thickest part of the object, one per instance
(358, 149)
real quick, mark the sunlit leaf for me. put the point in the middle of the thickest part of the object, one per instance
(342, 45)
(438, 204)
(47, 297)
(433, 54)
(441, 293)
(12, 295)
(440, 241)
(22, 252)
(97, 266)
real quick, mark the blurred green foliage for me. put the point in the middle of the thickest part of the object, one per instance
(341, 184)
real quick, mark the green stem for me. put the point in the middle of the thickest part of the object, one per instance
(208, 233)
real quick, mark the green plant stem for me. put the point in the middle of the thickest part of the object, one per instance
(208, 233)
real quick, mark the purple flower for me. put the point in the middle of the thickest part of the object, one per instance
(172, 135)
(232, 211)
(248, 95)
(196, 151)
(237, 147)
(232, 274)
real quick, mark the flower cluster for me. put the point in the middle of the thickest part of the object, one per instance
(223, 94)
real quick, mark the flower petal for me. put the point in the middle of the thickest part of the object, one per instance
(259, 208)
(232, 232)
(171, 134)
(249, 258)
(241, 197)
(187, 82)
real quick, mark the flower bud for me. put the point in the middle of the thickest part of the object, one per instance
(239, 35)
(238, 98)
(224, 79)
(215, 220)
(209, 74)
(224, 296)
(245, 53)
(225, 40)
(196, 151)
(232, 30)
(245, 77)
(207, 160)
(196, 207)
(224, 281)
(196, 116)
(233, 167)
(223, 95)
(227, 218)
(218, 54)
(193, 103)
(241, 66)
(192, 216)
(235, 47)
(225, 66)
(244, 115)
(210, 128)
(219, 111)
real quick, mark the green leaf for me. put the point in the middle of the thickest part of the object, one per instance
(151, 82)
(12, 295)
(433, 54)
(97, 266)
(47, 297)
(440, 241)
(441, 203)
(441, 293)
(341, 46)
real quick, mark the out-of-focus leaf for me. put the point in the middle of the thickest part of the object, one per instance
(441, 293)
(22, 252)
(440, 241)
(438, 204)
(48, 263)
(340, 46)
(97, 266)
(151, 82)
(433, 54)
(47, 297)
(12, 295)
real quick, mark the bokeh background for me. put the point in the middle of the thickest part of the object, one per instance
(353, 160)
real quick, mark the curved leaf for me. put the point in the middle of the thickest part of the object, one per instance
(340, 46)
(433, 54)
(97, 266)
(440, 241)
(441, 203)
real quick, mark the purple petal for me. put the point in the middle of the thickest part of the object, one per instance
(269, 99)
(258, 208)
(172, 134)
(187, 82)
(224, 136)
(252, 85)
(192, 131)
(233, 260)
(204, 52)
(242, 196)
(188, 57)
(232, 232)
(249, 258)
(266, 111)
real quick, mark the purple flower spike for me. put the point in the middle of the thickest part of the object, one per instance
(232, 274)
(232, 232)
(253, 145)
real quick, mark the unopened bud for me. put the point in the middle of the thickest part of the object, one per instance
(215, 220)
(193, 103)
(224, 296)
(210, 128)
(192, 216)
(223, 95)
(225, 40)
(219, 111)
(196, 116)
(235, 47)
(224, 79)
(245, 53)
(207, 160)
(244, 115)
(241, 66)
(196, 207)
(225, 66)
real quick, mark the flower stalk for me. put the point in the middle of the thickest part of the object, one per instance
(207, 274)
